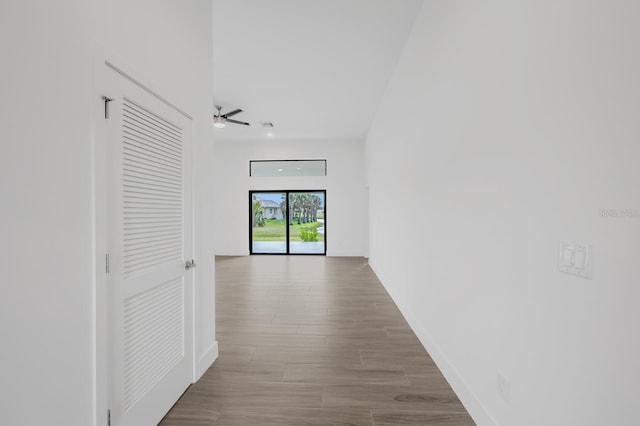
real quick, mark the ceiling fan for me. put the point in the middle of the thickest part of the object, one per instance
(220, 120)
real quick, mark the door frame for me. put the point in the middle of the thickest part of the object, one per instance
(288, 249)
(105, 62)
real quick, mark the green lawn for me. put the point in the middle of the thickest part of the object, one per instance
(275, 230)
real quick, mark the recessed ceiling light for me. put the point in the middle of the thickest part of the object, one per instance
(270, 134)
(281, 170)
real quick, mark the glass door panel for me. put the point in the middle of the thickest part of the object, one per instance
(287, 222)
(268, 222)
(307, 228)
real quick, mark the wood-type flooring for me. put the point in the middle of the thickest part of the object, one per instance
(313, 341)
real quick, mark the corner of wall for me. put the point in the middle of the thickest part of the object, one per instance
(469, 399)
(206, 361)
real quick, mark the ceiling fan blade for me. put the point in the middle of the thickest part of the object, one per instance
(229, 114)
(238, 122)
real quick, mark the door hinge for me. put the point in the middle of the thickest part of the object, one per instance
(107, 263)
(106, 105)
(108, 417)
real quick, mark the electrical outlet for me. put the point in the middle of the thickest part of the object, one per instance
(503, 387)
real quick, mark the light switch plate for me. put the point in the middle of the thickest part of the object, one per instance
(576, 259)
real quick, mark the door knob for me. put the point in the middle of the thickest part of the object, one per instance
(189, 264)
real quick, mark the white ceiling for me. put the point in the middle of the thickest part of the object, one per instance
(316, 69)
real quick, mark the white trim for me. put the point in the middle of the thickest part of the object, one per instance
(101, 384)
(471, 402)
(195, 280)
(206, 360)
(146, 87)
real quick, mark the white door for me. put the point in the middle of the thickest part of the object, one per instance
(149, 215)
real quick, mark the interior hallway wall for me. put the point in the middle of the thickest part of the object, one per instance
(47, 291)
(344, 184)
(514, 127)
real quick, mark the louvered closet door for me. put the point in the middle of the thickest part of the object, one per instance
(149, 202)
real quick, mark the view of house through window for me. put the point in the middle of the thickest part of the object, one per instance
(287, 222)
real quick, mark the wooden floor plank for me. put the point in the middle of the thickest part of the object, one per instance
(317, 341)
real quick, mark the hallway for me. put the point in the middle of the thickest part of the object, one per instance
(313, 341)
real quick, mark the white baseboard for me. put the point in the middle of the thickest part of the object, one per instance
(471, 402)
(206, 360)
(468, 398)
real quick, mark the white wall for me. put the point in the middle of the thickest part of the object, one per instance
(45, 280)
(515, 124)
(344, 184)
(47, 312)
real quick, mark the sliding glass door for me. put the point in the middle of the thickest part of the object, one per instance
(306, 222)
(287, 222)
(268, 233)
